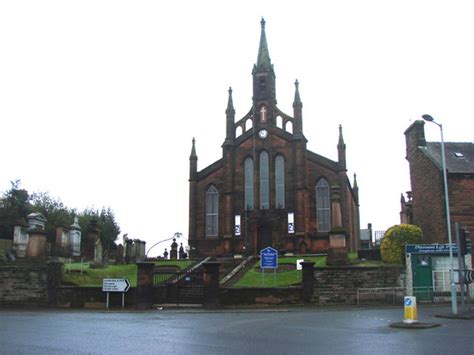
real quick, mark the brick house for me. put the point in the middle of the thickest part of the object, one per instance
(426, 204)
(268, 189)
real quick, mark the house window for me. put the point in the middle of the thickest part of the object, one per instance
(248, 167)
(264, 183)
(280, 182)
(212, 211)
(323, 205)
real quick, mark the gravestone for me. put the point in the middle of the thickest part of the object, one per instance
(90, 240)
(20, 241)
(62, 242)
(98, 252)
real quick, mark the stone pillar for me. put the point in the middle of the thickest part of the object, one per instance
(119, 255)
(141, 245)
(211, 284)
(144, 298)
(55, 271)
(308, 280)
(128, 251)
(36, 244)
(62, 242)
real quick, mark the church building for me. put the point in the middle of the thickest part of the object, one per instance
(268, 189)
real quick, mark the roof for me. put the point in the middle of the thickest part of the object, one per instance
(459, 156)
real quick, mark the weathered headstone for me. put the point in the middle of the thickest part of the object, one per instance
(20, 241)
(98, 252)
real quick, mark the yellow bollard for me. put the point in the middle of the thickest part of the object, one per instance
(410, 310)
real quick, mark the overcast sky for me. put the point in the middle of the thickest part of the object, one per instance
(99, 100)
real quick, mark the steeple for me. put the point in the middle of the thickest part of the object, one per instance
(341, 150)
(230, 116)
(263, 59)
(263, 74)
(297, 111)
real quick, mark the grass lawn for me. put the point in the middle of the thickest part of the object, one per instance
(284, 277)
(255, 278)
(93, 277)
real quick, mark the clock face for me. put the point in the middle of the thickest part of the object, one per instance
(263, 133)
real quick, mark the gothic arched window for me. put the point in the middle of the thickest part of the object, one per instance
(280, 182)
(248, 171)
(212, 211)
(264, 182)
(323, 206)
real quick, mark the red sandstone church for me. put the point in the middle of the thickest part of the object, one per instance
(268, 189)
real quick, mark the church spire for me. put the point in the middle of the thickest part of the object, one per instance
(263, 77)
(263, 59)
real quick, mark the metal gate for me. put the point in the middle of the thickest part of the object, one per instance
(178, 286)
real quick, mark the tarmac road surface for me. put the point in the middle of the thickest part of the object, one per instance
(275, 331)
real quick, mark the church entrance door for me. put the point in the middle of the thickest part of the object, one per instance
(264, 237)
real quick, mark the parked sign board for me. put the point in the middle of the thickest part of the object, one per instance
(269, 258)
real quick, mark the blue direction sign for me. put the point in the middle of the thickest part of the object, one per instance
(268, 258)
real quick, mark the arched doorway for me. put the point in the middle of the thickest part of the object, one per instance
(264, 237)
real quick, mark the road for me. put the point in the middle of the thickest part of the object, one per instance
(285, 331)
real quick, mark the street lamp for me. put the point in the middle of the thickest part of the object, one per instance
(175, 236)
(454, 305)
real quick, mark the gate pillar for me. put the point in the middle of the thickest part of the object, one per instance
(211, 284)
(145, 285)
(308, 280)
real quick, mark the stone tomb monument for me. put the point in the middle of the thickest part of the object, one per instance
(36, 235)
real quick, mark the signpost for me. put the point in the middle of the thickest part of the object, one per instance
(269, 260)
(115, 285)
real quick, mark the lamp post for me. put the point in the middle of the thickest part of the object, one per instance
(454, 305)
(175, 236)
